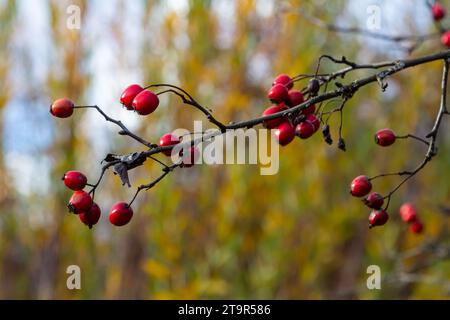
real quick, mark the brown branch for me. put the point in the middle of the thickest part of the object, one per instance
(191, 101)
(104, 168)
(124, 130)
(343, 91)
(432, 150)
(409, 135)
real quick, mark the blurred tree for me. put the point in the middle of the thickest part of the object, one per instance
(224, 231)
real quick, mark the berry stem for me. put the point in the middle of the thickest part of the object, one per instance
(104, 168)
(400, 173)
(159, 161)
(413, 137)
(150, 185)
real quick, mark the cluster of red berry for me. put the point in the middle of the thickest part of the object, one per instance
(144, 102)
(408, 214)
(361, 186)
(136, 98)
(438, 12)
(82, 204)
(303, 124)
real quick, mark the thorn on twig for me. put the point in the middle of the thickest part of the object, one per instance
(431, 134)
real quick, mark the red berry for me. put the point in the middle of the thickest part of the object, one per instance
(311, 118)
(278, 93)
(416, 227)
(145, 102)
(129, 94)
(285, 133)
(168, 140)
(62, 108)
(309, 110)
(270, 124)
(74, 180)
(304, 130)
(295, 98)
(190, 159)
(285, 80)
(408, 212)
(120, 214)
(360, 186)
(80, 202)
(91, 216)
(374, 200)
(385, 137)
(438, 11)
(378, 218)
(445, 39)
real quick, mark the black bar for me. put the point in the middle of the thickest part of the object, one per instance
(226, 309)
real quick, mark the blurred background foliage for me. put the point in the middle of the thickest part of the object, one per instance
(212, 231)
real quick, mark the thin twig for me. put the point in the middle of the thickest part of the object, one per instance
(190, 101)
(413, 137)
(159, 161)
(104, 168)
(125, 130)
(431, 152)
(150, 185)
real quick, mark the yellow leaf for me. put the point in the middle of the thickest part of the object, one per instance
(156, 269)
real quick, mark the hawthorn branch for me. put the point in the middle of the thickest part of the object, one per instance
(443, 105)
(350, 88)
(432, 150)
(325, 78)
(104, 168)
(343, 91)
(343, 72)
(188, 99)
(124, 131)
